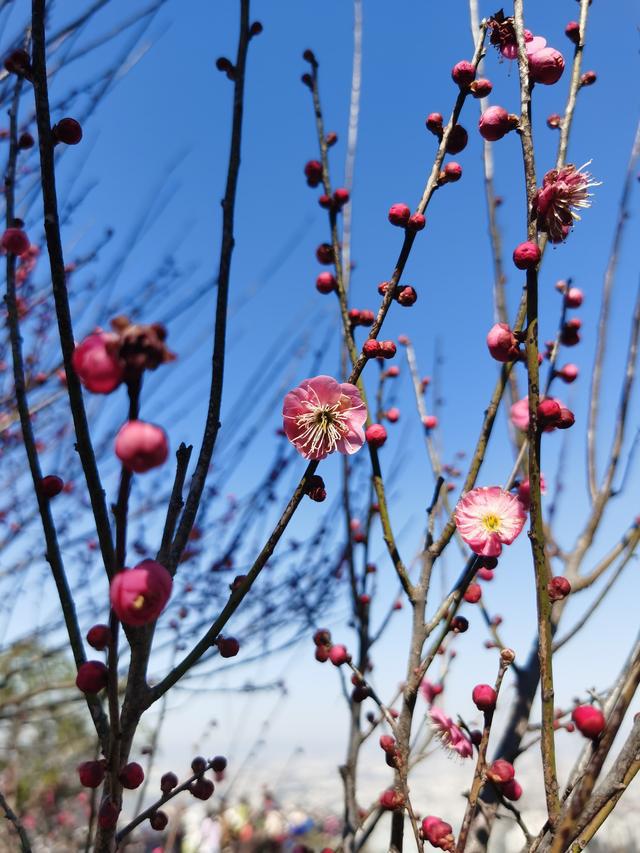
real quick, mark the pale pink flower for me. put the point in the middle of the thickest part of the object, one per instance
(563, 191)
(322, 415)
(488, 518)
(450, 736)
(429, 690)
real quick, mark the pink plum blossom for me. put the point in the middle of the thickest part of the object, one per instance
(563, 191)
(488, 518)
(322, 415)
(519, 413)
(450, 735)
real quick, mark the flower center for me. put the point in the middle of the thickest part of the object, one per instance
(138, 602)
(491, 522)
(322, 426)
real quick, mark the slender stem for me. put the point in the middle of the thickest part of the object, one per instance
(212, 423)
(10, 815)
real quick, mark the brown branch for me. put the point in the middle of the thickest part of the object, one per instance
(10, 815)
(536, 531)
(59, 284)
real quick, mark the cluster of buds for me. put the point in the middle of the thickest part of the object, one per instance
(404, 294)
(438, 833)
(325, 650)
(552, 415)
(392, 754)
(503, 776)
(336, 201)
(378, 349)
(361, 317)
(401, 216)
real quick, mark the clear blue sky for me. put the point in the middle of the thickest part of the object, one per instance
(172, 111)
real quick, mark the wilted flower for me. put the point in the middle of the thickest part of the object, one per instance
(563, 191)
(488, 518)
(503, 37)
(322, 415)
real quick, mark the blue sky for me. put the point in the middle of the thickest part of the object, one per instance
(163, 133)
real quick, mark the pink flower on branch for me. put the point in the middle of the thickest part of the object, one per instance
(322, 415)
(488, 518)
(450, 736)
(563, 191)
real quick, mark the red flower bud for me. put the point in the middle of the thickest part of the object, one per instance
(481, 87)
(572, 32)
(416, 222)
(463, 73)
(568, 373)
(588, 78)
(484, 697)
(141, 446)
(526, 255)
(554, 121)
(393, 415)
(315, 488)
(387, 743)
(313, 172)
(91, 677)
(452, 172)
(99, 637)
(589, 721)
(91, 773)
(458, 139)
(326, 282)
(512, 790)
(573, 297)
(391, 800)
(96, 364)
(14, 241)
(438, 833)
(501, 771)
(434, 123)
(473, 593)
(67, 130)
(339, 655)
(50, 486)
(168, 782)
(406, 296)
(228, 647)
(546, 66)
(376, 435)
(495, 122)
(324, 254)
(399, 214)
(158, 821)
(430, 422)
(131, 776)
(108, 814)
(558, 588)
(341, 196)
(502, 343)
(202, 788)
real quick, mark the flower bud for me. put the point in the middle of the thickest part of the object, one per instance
(202, 788)
(315, 488)
(572, 32)
(168, 782)
(139, 595)
(554, 121)
(96, 363)
(434, 123)
(430, 422)
(558, 588)
(324, 254)
(463, 73)
(158, 821)
(399, 214)
(526, 255)
(406, 296)
(473, 593)
(452, 172)
(568, 373)
(108, 814)
(376, 435)
(131, 776)
(512, 790)
(438, 833)
(99, 637)
(14, 241)
(548, 412)
(416, 222)
(546, 66)
(326, 283)
(501, 771)
(313, 172)
(67, 130)
(91, 773)
(457, 140)
(495, 122)
(340, 197)
(506, 655)
(484, 697)
(588, 78)
(393, 414)
(387, 743)
(459, 625)
(228, 647)
(91, 677)
(566, 419)
(141, 446)
(338, 655)
(481, 87)
(573, 297)
(502, 343)
(589, 721)
(391, 800)
(50, 486)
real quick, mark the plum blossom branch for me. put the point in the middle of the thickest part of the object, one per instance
(10, 815)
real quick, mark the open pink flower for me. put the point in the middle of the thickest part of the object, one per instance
(450, 736)
(488, 518)
(322, 415)
(563, 191)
